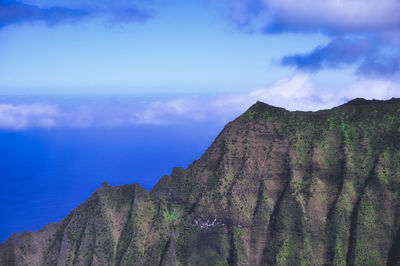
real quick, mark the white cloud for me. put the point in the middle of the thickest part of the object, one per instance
(373, 89)
(337, 15)
(24, 116)
(170, 112)
(356, 14)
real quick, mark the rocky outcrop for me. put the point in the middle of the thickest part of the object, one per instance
(275, 188)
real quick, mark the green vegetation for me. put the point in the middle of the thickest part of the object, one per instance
(251, 114)
(172, 215)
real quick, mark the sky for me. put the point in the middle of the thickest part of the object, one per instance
(124, 90)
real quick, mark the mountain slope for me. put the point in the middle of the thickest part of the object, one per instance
(275, 187)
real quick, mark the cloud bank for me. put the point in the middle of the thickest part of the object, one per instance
(18, 12)
(336, 16)
(298, 92)
(370, 58)
(15, 12)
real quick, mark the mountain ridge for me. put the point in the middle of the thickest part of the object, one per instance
(275, 187)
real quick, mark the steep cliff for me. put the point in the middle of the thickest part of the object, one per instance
(275, 188)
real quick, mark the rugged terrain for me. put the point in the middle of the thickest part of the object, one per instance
(275, 188)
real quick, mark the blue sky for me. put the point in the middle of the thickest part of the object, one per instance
(183, 46)
(124, 90)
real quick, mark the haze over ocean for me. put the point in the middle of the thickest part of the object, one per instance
(46, 172)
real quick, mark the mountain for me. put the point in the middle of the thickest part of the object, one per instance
(275, 188)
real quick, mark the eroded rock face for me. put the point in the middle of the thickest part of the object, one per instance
(275, 188)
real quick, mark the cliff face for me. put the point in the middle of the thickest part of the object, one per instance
(275, 188)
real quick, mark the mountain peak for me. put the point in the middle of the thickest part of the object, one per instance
(105, 184)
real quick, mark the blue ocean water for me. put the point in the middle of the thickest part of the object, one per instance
(45, 173)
